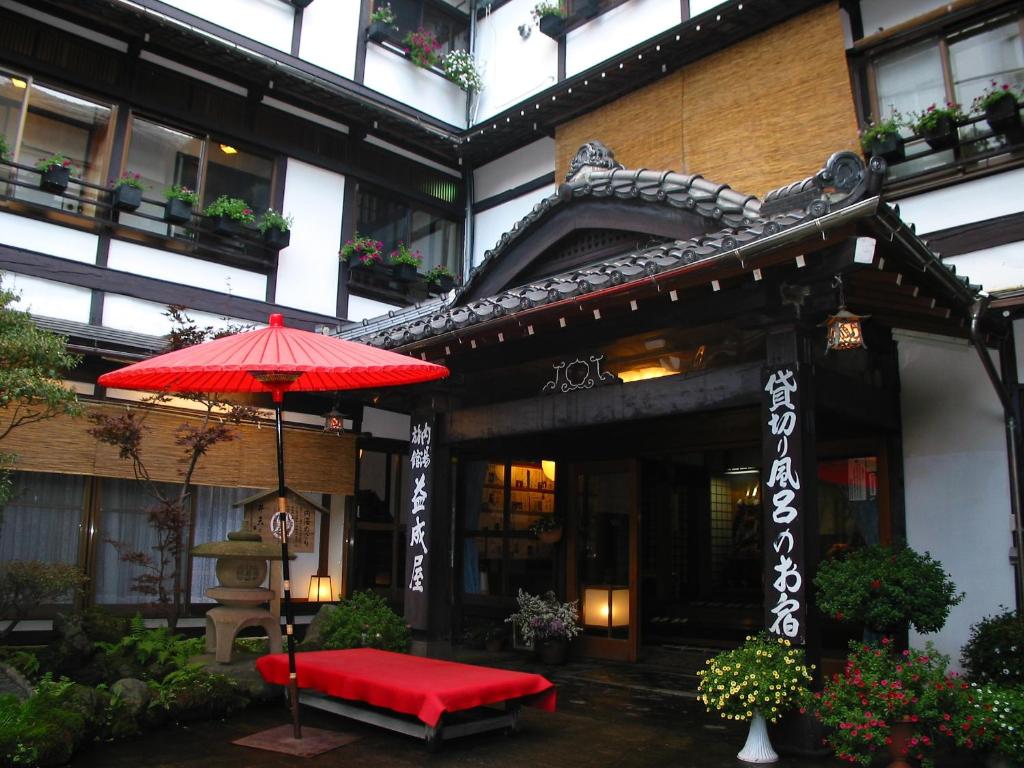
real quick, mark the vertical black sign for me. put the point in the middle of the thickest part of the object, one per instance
(784, 562)
(417, 563)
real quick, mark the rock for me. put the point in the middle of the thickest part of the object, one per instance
(134, 693)
(311, 641)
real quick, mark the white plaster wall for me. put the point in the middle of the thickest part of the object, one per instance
(956, 477)
(978, 200)
(515, 168)
(307, 270)
(397, 77)
(268, 21)
(176, 268)
(361, 308)
(622, 27)
(882, 14)
(336, 544)
(995, 269)
(330, 33)
(47, 298)
(514, 68)
(489, 226)
(130, 314)
(389, 424)
(51, 239)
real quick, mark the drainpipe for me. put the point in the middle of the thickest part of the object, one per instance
(1012, 442)
(467, 170)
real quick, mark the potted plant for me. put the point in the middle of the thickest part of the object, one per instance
(275, 228)
(126, 194)
(995, 723)
(938, 125)
(757, 682)
(54, 173)
(362, 252)
(178, 208)
(995, 650)
(549, 16)
(405, 263)
(999, 104)
(904, 702)
(886, 589)
(382, 23)
(882, 139)
(440, 279)
(422, 48)
(460, 68)
(547, 529)
(228, 215)
(547, 623)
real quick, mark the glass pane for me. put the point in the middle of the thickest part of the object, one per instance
(736, 533)
(399, 464)
(374, 558)
(437, 239)
(216, 517)
(232, 172)
(43, 520)
(533, 496)
(482, 564)
(78, 129)
(124, 505)
(910, 80)
(164, 157)
(848, 504)
(531, 566)
(603, 505)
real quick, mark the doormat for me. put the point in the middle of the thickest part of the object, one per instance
(314, 741)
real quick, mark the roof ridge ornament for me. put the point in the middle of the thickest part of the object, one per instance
(593, 154)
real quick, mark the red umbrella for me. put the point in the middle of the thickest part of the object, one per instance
(275, 359)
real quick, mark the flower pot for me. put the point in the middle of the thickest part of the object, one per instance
(888, 147)
(126, 197)
(900, 732)
(404, 273)
(1003, 117)
(758, 748)
(942, 136)
(277, 239)
(177, 211)
(225, 226)
(441, 285)
(55, 179)
(553, 650)
(378, 31)
(550, 537)
(552, 26)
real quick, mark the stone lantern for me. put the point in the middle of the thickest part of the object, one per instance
(241, 569)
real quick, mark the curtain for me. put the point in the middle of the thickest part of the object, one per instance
(43, 519)
(216, 517)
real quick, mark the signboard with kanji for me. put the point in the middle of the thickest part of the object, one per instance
(260, 513)
(417, 566)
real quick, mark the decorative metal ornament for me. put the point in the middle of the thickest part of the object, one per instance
(579, 374)
(844, 331)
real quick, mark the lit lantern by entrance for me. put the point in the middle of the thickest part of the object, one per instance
(844, 330)
(606, 607)
(320, 590)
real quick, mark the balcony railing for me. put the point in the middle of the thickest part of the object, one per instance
(88, 206)
(973, 148)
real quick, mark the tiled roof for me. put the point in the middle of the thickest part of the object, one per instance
(843, 182)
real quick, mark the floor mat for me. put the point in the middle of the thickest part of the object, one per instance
(314, 741)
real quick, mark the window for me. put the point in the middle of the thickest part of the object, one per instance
(55, 122)
(952, 66)
(392, 220)
(43, 518)
(216, 517)
(501, 555)
(449, 24)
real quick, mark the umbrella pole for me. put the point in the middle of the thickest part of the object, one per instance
(289, 627)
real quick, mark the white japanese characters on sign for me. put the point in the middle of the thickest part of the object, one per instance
(419, 461)
(782, 486)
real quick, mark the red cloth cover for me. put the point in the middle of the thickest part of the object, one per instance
(425, 688)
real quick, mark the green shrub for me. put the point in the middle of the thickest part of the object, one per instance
(100, 625)
(998, 720)
(50, 725)
(995, 650)
(150, 654)
(886, 589)
(365, 621)
(192, 693)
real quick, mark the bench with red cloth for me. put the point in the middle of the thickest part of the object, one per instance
(433, 699)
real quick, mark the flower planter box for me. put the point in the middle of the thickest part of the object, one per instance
(1003, 117)
(126, 197)
(889, 148)
(942, 136)
(441, 285)
(177, 211)
(226, 227)
(404, 273)
(552, 26)
(276, 239)
(378, 31)
(55, 180)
